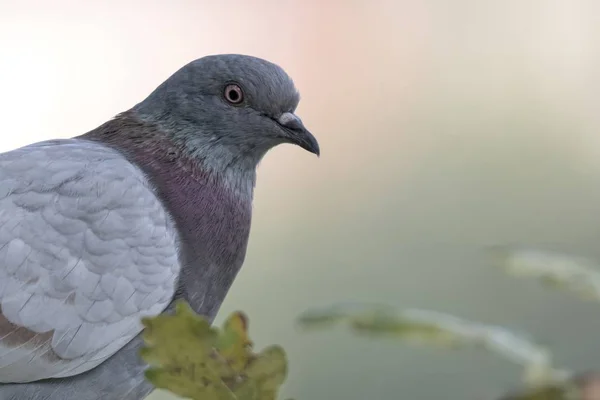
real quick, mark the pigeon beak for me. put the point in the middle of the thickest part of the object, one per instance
(296, 133)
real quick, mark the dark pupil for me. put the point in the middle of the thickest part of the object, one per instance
(233, 95)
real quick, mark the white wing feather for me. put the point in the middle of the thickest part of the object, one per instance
(86, 250)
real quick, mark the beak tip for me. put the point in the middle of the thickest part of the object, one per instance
(298, 134)
(311, 145)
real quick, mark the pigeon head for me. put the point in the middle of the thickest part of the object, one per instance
(228, 109)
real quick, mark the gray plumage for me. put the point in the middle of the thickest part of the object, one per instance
(154, 205)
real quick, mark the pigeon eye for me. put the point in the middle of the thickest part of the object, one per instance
(233, 94)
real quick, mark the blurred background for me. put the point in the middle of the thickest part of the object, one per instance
(445, 127)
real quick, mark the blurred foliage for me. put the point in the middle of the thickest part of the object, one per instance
(566, 391)
(569, 273)
(543, 381)
(218, 364)
(442, 330)
(207, 363)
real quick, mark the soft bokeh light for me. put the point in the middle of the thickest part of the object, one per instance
(445, 127)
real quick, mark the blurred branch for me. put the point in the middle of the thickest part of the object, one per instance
(584, 386)
(543, 381)
(441, 330)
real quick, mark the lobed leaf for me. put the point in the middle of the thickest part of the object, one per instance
(193, 360)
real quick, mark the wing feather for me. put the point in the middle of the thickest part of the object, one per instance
(86, 250)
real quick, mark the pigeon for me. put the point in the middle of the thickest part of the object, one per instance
(104, 228)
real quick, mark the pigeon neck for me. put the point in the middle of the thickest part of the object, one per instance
(211, 209)
(150, 145)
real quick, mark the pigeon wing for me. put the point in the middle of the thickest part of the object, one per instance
(86, 250)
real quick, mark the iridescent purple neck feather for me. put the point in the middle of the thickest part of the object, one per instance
(212, 209)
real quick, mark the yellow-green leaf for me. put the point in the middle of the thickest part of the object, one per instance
(233, 343)
(180, 348)
(269, 369)
(193, 360)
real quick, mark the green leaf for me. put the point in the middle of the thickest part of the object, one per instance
(268, 369)
(233, 343)
(185, 366)
(193, 360)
